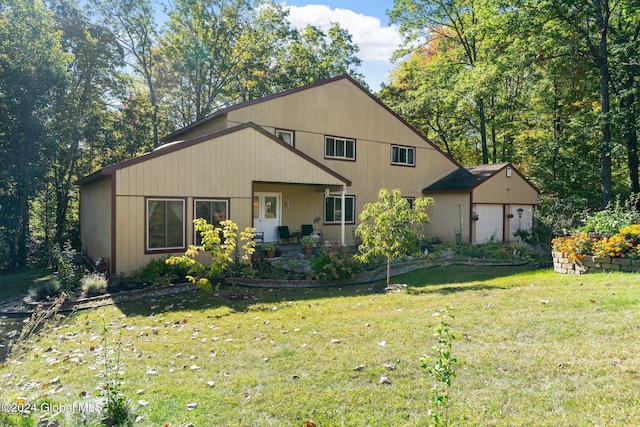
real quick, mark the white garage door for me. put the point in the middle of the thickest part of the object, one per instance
(489, 224)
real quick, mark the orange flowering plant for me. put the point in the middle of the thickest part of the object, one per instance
(578, 247)
(575, 247)
(616, 246)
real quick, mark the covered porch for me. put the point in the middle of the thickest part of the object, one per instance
(283, 212)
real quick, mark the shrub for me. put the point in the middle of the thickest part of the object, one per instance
(334, 264)
(94, 284)
(617, 215)
(67, 272)
(45, 290)
(575, 248)
(631, 231)
(158, 272)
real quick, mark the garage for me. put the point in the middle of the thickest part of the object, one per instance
(489, 225)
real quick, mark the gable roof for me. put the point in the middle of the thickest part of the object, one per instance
(468, 178)
(175, 146)
(224, 111)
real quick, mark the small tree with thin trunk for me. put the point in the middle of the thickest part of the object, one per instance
(391, 227)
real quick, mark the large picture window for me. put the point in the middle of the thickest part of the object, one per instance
(165, 224)
(340, 148)
(405, 156)
(333, 209)
(213, 211)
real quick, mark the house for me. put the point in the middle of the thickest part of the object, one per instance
(312, 155)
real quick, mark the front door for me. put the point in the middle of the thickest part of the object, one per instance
(266, 214)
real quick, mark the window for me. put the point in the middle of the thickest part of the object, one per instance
(285, 135)
(340, 148)
(411, 201)
(213, 211)
(165, 224)
(333, 209)
(403, 155)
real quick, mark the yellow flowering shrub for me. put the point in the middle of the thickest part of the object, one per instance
(631, 231)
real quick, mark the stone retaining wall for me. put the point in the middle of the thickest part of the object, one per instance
(593, 264)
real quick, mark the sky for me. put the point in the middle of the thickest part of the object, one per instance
(366, 21)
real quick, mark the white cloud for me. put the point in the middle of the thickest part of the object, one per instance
(376, 42)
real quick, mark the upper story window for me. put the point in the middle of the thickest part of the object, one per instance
(405, 156)
(285, 135)
(339, 148)
(213, 211)
(165, 224)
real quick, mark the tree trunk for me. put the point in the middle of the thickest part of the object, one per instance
(605, 148)
(388, 270)
(632, 160)
(483, 132)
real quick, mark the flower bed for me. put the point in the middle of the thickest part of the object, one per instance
(588, 253)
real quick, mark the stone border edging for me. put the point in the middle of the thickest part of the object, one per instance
(593, 264)
(380, 273)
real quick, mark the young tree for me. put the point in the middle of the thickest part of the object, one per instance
(391, 227)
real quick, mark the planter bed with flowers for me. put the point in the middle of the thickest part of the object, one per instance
(587, 253)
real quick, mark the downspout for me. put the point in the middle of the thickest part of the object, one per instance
(343, 197)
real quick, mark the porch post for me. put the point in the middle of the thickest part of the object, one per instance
(342, 216)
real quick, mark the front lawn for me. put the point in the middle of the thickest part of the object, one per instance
(533, 348)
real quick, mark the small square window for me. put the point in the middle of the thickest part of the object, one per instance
(285, 135)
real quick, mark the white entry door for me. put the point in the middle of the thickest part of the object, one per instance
(267, 214)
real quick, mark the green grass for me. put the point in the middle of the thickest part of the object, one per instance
(533, 348)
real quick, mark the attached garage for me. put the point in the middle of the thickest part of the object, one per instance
(499, 199)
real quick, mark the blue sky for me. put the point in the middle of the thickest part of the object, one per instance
(367, 22)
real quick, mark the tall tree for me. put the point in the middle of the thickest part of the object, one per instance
(32, 65)
(79, 106)
(134, 25)
(457, 23)
(212, 45)
(591, 20)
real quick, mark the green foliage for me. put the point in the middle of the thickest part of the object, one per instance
(67, 271)
(334, 264)
(441, 367)
(94, 284)
(117, 406)
(307, 240)
(222, 245)
(158, 272)
(46, 289)
(390, 227)
(618, 214)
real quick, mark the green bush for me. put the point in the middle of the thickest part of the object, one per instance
(94, 284)
(158, 272)
(617, 215)
(46, 289)
(334, 264)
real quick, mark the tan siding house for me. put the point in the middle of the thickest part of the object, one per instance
(313, 155)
